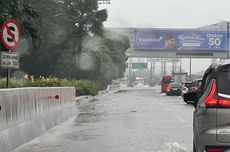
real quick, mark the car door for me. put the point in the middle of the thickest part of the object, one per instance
(204, 118)
(223, 111)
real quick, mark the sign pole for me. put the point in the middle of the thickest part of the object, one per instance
(10, 36)
(8, 76)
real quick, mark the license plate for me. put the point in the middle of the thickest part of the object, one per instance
(174, 89)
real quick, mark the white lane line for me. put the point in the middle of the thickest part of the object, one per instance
(181, 119)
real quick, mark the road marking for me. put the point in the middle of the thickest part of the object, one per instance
(181, 119)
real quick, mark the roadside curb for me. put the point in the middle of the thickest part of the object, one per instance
(84, 100)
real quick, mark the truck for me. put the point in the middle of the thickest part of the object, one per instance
(180, 77)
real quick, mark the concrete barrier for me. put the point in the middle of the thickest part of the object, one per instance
(26, 113)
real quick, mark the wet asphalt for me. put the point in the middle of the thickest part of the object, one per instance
(138, 119)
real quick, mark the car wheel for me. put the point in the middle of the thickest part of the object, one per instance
(185, 101)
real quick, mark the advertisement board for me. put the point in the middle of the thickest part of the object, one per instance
(180, 40)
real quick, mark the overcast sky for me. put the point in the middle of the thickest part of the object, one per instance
(168, 14)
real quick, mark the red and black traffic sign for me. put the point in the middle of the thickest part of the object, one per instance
(10, 34)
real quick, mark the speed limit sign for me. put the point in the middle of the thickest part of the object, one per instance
(10, 34)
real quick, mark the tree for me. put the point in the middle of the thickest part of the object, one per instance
(82, 18)
(118, 45)
(74, 43)
(43, 60)
(65, 25)
(27, 17)
(108, 57)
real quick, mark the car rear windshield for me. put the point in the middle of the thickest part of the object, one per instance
(166, 80)
(224, 81)
(188, 85)
(176, 85)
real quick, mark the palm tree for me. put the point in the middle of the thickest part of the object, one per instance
(82, 18)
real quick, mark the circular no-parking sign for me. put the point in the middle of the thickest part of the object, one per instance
(10, 34)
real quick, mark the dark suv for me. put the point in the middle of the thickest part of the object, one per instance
(211, 119)
(196, 84)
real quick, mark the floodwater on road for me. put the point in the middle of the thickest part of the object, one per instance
(138, 119)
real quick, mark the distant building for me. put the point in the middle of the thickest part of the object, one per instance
(220, 26)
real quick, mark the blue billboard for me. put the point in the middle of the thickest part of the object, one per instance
(180, 40)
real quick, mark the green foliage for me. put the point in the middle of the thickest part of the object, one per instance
(27, 17)
(72, 41)
(86, 87)
(48, 82)
(83, 87)
(65, 24)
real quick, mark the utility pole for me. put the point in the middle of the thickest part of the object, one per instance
(130, 69)
(173, 66)
(164, 67)
(151, 71)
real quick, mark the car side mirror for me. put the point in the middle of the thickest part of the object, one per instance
(191, 98)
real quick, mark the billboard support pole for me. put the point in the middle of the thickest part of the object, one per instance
(190, 69)
(227, 40)
(153, 68)
(151, 71)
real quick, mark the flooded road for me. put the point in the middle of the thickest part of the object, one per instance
(138, 119)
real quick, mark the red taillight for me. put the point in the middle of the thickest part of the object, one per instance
(214, 149)
(224, 102)
(168, 88)
(183, 89)
(212, 99)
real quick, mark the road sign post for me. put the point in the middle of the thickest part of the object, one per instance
(10, 36)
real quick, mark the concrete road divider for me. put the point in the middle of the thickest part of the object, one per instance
(26, 113)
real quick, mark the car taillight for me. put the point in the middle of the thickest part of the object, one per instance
(183, 89)
(168, 88)
(224, 102)
(214, 149)
(213, 100)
